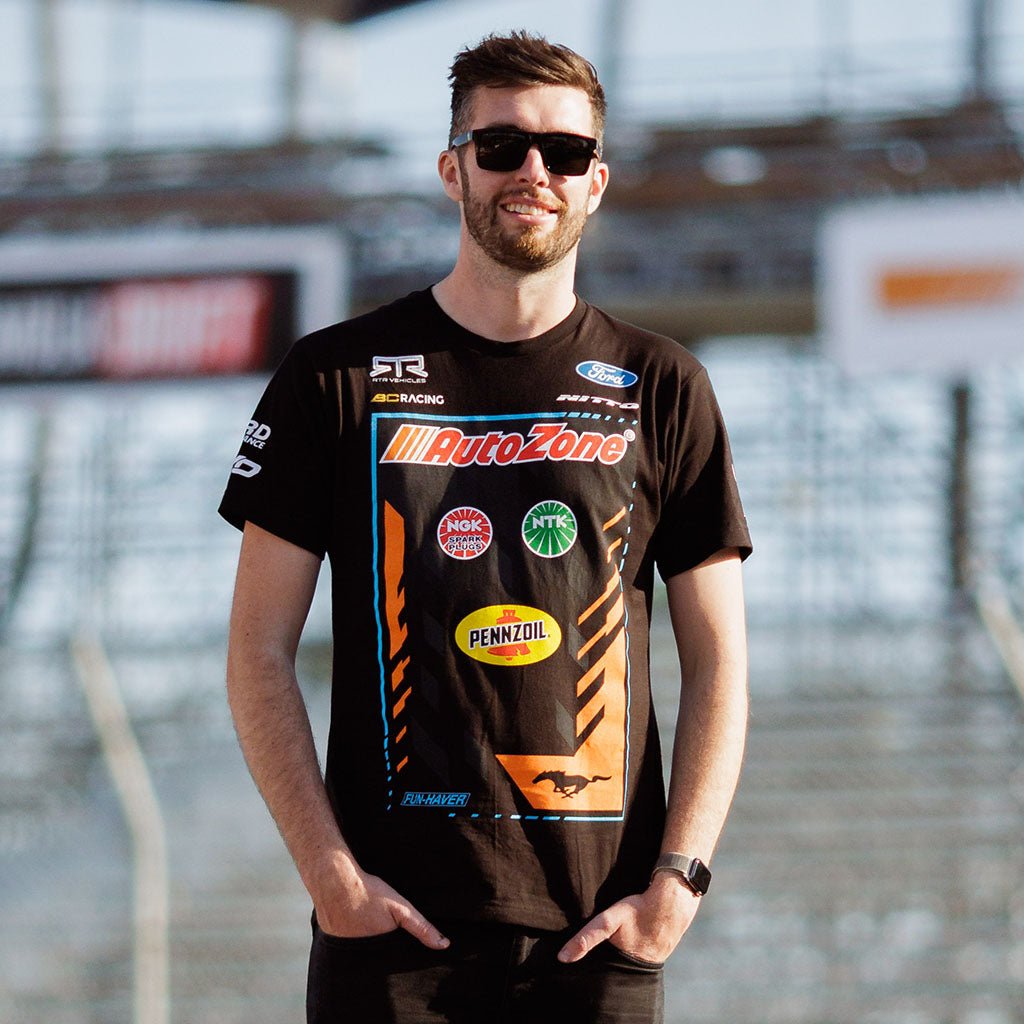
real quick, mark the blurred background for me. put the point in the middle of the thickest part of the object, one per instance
(823, 198)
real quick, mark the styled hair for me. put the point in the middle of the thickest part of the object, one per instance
(520, 59)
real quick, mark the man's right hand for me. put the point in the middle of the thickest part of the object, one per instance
(371, 907)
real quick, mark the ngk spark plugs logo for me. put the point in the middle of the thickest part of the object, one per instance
(425, 445)
(464, 533)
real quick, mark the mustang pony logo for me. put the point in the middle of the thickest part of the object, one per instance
(569, 785)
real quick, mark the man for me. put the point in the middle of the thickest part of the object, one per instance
(495, 469)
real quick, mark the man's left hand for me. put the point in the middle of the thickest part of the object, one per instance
(648, 926)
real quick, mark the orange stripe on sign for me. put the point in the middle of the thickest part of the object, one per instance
(949, 286)
(402, 764)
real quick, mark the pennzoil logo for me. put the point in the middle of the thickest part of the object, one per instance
(508, 634)
(424, 445)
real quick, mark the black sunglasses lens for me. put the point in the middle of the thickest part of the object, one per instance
(506, 151)
(567, 154)
(501, 151)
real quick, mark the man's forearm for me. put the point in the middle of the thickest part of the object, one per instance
(275, 736)
(708, 620)
(706, 759)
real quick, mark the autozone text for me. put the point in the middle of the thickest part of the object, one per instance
(598, 400)
(509, 633)
(448, 446)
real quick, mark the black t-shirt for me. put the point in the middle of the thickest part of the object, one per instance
(493, 513)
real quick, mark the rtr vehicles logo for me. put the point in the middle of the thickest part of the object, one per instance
(398, 369)
(508, 635)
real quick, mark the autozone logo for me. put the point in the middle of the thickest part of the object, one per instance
(424, 445)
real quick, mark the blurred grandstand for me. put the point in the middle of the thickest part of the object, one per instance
(873, 867)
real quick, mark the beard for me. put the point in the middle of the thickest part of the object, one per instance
(528, 249)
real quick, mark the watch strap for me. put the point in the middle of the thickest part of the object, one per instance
(693, 871)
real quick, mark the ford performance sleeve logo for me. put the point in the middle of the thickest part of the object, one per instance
(605, 373)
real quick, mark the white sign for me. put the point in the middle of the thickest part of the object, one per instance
(930, 284)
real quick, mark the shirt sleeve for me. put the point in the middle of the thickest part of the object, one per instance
(701, 510)
(282, 478)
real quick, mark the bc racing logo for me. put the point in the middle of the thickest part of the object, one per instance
(417, 398)
(508, 635)
(448, 446)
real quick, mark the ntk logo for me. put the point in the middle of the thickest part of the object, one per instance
(549, 529)
(398, 369)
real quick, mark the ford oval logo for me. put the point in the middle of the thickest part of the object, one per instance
(605, 373)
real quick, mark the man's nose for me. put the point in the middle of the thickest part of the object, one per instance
(532, 168)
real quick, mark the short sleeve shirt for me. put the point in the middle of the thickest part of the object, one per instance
(493, 513)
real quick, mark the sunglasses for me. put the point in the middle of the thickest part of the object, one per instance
(505, 149)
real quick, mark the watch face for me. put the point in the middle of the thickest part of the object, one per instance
(700, 876)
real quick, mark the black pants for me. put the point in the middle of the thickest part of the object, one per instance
(490, 974)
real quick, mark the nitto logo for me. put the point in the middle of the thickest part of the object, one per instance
(555, 442)
(508, 635)
(245, 467)
(256, 434)
(605, 373)
(398, 369)
(598, 400)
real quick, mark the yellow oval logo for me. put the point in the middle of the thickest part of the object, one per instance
(508, 634)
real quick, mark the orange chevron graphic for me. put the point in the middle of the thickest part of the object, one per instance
(600, 757)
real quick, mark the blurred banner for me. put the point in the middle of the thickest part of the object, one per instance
(164, 328)
(164, 304)
(933, 284)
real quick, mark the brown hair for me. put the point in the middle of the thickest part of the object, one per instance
(520, 59)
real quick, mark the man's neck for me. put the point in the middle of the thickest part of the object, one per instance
(506, 305)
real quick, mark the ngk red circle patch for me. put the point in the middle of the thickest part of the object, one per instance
(464, 532)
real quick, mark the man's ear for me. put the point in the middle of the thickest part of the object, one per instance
(597, 187)
(451, 174)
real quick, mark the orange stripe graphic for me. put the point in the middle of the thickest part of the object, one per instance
(394, 560)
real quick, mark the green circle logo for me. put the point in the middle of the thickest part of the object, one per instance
(549, 529)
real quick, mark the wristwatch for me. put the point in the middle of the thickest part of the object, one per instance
(693, 871)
